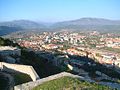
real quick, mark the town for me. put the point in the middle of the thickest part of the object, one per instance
(59, 45)
(92, 54)
(104, 48)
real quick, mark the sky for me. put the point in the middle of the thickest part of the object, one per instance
(58, 10)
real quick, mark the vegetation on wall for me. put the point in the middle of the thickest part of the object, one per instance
(69, 83)
(40, 64)
(7, 42)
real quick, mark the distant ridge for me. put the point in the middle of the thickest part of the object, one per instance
(91, 21)
(25, 24)
(99, 24)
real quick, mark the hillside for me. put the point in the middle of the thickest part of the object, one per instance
(86, 24)
(7, 30)
(83, 24)
(19, 25)
(91, 21)
(24, 24)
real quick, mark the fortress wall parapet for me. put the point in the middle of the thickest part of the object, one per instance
(20, 68)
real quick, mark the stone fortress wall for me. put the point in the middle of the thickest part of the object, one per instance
(29, 70)
(32, 84)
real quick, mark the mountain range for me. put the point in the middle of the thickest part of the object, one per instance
(98, 24)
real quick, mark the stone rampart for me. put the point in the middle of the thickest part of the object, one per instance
(20, 68)
(32, 84)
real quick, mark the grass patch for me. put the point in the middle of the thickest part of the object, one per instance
(20, 78)
(69, 83)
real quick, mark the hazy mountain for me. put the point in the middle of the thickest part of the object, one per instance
(6, 30)
(91, 21)
(25, 24)
(19, 25)
(99, 24)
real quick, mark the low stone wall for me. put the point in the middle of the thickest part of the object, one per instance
(31, 85)
(20, 68)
